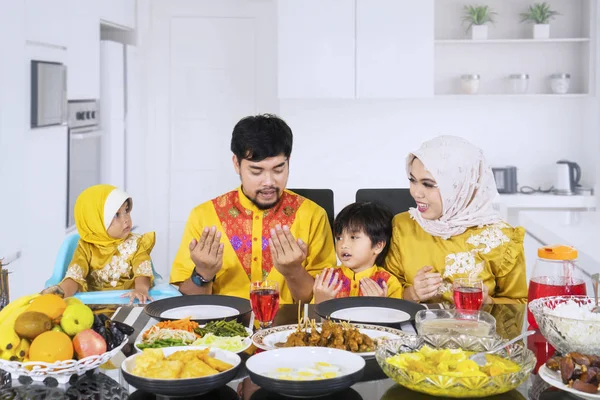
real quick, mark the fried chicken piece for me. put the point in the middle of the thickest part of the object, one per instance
(352, 345)
(314, 338)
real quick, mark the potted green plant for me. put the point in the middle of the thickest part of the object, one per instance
(540, 15)
(477, 17)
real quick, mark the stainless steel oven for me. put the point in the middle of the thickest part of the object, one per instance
(84, 165)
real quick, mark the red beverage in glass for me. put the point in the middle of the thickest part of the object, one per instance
(265, 303)
(468, 298)
(547, 286)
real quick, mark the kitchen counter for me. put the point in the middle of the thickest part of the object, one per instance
(509, 205)
(580, 229)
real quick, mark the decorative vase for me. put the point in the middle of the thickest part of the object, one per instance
(541, 31)
(479, 32)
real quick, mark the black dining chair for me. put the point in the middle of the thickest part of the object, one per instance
(323, 197)
(397, 200)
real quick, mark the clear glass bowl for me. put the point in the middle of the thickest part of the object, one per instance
(452, 386)
(564, 333)
(455, 322)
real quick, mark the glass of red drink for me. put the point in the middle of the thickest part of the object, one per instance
(468, 294)
(264, 298)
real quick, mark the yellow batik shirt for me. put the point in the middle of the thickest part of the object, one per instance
(351, 281)
(245, 232)
(98, 268)
(493, 253)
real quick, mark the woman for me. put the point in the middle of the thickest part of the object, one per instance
(454, 231)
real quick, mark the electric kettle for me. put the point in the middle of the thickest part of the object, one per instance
(568, 175)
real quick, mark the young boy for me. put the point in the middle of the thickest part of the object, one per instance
(362, 234)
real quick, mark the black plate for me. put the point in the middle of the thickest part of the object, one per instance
(326, 308)
(181, 387)
(156, 308)
(307, 388)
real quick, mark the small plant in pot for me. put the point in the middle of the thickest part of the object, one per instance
(477, 17)
(540, 15)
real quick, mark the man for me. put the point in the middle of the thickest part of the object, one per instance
(260, 231)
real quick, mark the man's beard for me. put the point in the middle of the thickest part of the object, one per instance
(263, 206)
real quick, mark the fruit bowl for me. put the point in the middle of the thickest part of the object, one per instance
(59, 370)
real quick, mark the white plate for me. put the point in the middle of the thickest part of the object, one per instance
(261, 365)
(301, 357)
(553, 378)
(202, 312)
(265, 339)
(247, 342)
(373, 315)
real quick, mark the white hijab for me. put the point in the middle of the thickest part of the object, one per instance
(466, 184)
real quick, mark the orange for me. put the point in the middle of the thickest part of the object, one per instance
(51, 346)
(49, 304)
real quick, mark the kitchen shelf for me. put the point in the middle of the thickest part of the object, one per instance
(510, 41)
(511, 49)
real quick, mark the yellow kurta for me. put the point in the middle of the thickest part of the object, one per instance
(98, 268)
(493, 253)
(245, 233)
(351, 281)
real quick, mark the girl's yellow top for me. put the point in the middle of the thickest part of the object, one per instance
(494, 253)
(101, 262)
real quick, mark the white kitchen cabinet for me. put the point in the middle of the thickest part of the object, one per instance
(350, 49)
(394, 49)
(83, 50)
(118, 12)
(316, 48)
(47, 22)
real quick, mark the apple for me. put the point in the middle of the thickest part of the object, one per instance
(72, 300)
(57, 328)
(76, 318)
(88, 343)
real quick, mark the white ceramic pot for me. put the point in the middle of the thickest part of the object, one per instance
(479, 32)
(541, 31)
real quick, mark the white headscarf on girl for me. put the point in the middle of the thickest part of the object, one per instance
(466, 184)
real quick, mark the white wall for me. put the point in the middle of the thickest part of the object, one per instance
(13, 117)
(364, 144)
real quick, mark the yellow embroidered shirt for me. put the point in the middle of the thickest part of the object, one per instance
(351, 281)
(245, 232)
(98, 268)
(493, 253)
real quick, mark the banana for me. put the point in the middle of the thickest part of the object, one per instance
(17, 303)
(9, 355)
(9, 340)
(12, 317)
(22, 349)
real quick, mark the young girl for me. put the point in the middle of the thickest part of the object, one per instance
(108, 256)
(362, 234)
